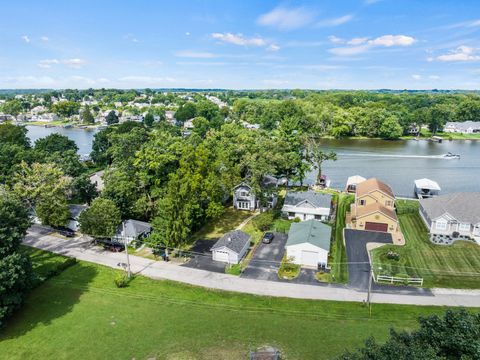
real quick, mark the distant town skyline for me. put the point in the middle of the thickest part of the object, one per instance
(352, 44)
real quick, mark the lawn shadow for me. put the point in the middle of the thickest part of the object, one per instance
(51, 300)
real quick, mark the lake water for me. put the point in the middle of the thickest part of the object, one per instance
(398, 163)
(82, 137)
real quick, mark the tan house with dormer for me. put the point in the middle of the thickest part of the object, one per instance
(374, 209)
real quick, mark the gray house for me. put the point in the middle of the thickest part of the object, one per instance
(244, 197)
(231, 247)
(307, 205)
(452, 216)
(75, 211)
(131, 230)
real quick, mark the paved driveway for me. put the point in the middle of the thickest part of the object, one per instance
(266, 259)
(358, 261)
(203, 257)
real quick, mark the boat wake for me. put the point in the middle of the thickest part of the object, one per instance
(443, 156)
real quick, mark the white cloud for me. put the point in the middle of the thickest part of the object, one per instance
(416, 77)
(187, 34)
(194, 54)
(44, 38)
(287, 18)
(434, 77)
(335, 40)
(335, 21)
(461, 53)
(241, 40)
(26, 38)
(73, 63)
(371, 2)
(131, 37)
(273, 47)
(361, 44)
(357, 41)
(392, 40)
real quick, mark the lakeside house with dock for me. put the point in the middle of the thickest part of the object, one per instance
(426, 188)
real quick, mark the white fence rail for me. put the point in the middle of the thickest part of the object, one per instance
(393, 280)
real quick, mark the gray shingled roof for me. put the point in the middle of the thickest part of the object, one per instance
(233, 240)
(316, 199)
(465, 207)
(134, 228)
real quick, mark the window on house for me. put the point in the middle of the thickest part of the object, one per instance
(464, 227)
(388, 203)
(362, 202)
(243, 193)
(318, 217)
(441, 225)
(291, 214)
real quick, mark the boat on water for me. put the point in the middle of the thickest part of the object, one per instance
(449, 155)
(426, 188)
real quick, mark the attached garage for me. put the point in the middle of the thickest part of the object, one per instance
(375, 226)
(308, 243)
(231, 247)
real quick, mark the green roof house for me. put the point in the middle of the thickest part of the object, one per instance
(308, 243)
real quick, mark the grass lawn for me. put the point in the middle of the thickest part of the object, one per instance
(80, 314)
(44, 263)
(338, 256)
(228, 221)
(455, 266)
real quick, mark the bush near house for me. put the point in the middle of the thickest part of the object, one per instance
(264, 221)
(288, 270)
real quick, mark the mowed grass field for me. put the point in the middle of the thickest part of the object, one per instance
(80, 314)
(454, 266)
(338, 257)
(228, 221)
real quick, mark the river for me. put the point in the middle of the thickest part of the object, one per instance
(398, 163)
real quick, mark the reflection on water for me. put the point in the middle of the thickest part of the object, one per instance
(398, 163)
(82, 137)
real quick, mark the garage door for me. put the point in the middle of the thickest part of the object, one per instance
(309, 258)
(221, 256)
(373, 226)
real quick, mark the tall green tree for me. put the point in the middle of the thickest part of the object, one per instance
(316, 156)
(148, 120)
(66, 108)
(101, 219)
(15, 268)
(87, 116)
(112, 118)
(13, 134)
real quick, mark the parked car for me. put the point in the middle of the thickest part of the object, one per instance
(113, 247)
(64, 231)
(267, 237)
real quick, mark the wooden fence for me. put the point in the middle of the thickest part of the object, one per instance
(393, 280)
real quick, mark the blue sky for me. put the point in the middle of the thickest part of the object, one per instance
(342, 44)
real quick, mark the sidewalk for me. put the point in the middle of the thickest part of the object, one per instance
(161, 270)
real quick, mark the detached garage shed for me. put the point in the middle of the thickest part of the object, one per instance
(308, 243)
(231, 247)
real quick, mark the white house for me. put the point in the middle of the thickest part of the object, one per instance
(308, 244)
(231, 247)
(97, 180)
(307, 205)
(244, 197)
(465, 127)
(456, 216)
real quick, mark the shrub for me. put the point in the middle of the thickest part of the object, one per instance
(121, 280)
(392, 255)
(288, 270)
(264, 221)
(297, 220)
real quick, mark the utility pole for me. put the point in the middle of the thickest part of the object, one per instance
(129, 273)
(370, 288)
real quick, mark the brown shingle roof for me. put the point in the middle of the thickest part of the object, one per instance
(374, 207)
(373, 184)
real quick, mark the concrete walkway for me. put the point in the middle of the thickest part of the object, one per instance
(245, 222)
(82, 250)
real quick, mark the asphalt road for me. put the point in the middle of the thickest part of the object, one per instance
(84, 251)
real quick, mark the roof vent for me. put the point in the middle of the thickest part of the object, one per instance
(229, 239)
